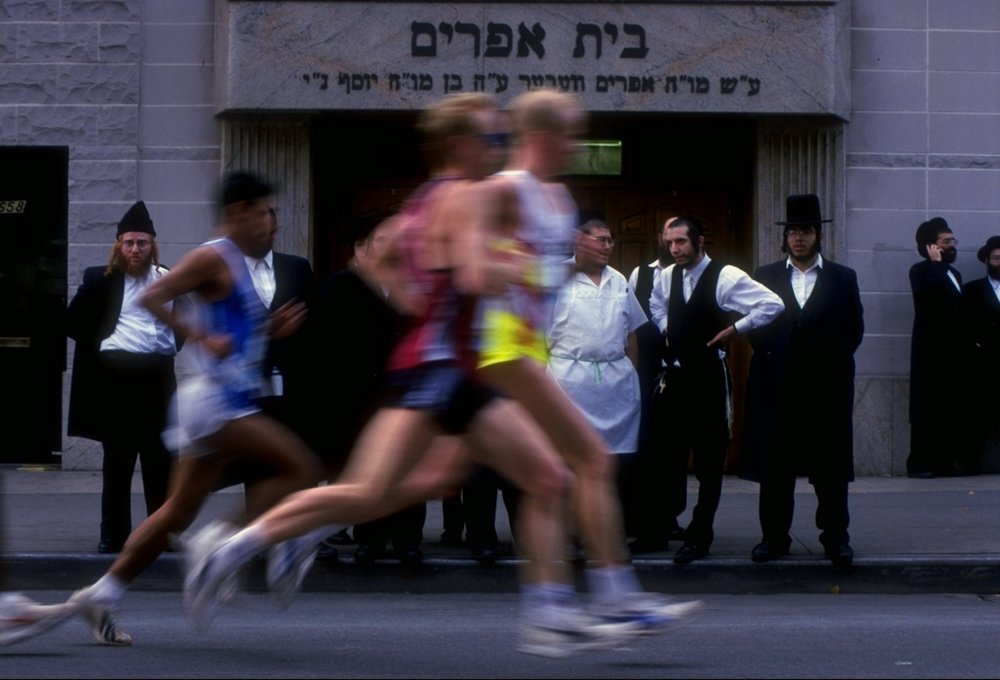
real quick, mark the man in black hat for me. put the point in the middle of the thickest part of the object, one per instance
(800, 391)
(123, 374)
(981, 318)
(935, 344)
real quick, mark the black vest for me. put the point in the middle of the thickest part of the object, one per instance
(693, 323)
(644, 287)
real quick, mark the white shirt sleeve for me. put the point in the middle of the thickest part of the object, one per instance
(658, 298)
(739, 293)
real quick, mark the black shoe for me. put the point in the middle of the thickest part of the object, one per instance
(410, 556)
(486, 557)
(342, 537)
(840, 554)
(765, 551)
(689, 552)
(642, 546)
(107, 547)
(366, 554)
(921, 474)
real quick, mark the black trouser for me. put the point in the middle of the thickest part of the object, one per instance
(479, 500)
(404, 528)
(693, 415)
(777, 505)
(139, 389)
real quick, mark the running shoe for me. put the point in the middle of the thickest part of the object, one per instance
(98, 615)
(569, 631)
(287, 566)
(22, 618)
(652, 613)
(208, 581)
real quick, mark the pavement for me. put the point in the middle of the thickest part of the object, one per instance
(909, 536)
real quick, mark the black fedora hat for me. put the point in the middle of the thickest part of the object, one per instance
(802, 209)
(992, 243)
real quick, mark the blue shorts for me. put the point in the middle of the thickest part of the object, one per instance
(443, 388)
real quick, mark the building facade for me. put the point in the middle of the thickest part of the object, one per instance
(889, 110)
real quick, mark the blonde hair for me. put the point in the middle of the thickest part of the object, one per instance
(451, 117)
(544, 110)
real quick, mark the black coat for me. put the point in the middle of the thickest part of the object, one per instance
(91, 316)
(937, 340)
(981, 318)
(800, 391)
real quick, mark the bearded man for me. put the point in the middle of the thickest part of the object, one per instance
(123, 374)
(936, 344)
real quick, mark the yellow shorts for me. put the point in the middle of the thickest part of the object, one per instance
(507, 336)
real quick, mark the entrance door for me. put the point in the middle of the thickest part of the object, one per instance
(33, 209)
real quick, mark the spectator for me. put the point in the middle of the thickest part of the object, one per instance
(123, 363)
(800, 393)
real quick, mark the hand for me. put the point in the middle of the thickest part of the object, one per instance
(724, 336)
(934, 252)
(287, 318)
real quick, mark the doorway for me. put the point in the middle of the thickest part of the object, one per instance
(701, 166)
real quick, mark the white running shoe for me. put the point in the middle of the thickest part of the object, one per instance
(208, 582)
(652, 613)
(99, 618)
(571, 630)
(287, 566)
(22, 618)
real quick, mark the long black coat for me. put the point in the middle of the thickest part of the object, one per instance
(937, 338)
(91, 316)
(800, 391)
(981, 318)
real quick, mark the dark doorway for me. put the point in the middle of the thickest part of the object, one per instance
(670, 166)
(33, 215)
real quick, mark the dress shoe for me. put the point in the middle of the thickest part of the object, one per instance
(410, 556)
(765, 551)
(342, 537)
(486, 557)
(642, 546)
(841, 555)
(107, 547)
(689, 552)
(920, 474)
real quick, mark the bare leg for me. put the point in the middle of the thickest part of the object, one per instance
(597, 507)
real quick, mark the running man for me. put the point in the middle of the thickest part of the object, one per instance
(218, 420)
(532, 213)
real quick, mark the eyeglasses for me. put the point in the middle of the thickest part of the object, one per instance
(141, 243)
(947, 241)
(603, 240)
(801, 231)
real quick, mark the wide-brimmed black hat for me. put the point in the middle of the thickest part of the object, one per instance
(802, 209)
(992, 243)
(136, 219)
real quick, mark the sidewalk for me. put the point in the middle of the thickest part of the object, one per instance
(909, 535)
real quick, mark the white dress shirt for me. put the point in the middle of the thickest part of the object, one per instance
(262, 273)
(803, 282)
(137, 329)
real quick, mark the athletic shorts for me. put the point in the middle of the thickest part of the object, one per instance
(444, 389)
(506, 336)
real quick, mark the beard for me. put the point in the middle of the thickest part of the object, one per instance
(949, 255)
(139, 269)
(993, 272)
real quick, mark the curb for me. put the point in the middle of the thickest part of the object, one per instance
(918, 574)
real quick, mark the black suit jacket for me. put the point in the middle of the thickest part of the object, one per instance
(937, 339)
(800, 391)
(91, 316)
(981, 319)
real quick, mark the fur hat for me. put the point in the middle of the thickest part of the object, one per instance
(928, 232)
(992, 243)
(136, 219)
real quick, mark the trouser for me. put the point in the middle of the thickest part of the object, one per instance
(777, 505)
(404, 528)
(117, 470)
(479, 499)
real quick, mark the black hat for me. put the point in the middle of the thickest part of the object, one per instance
(802, 209)
(992, 243)
(136, 219)
(928, 232)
